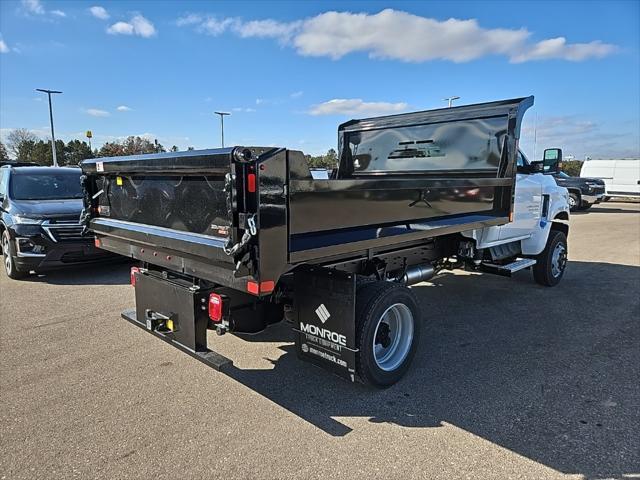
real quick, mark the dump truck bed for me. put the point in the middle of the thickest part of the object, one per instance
(245, 216)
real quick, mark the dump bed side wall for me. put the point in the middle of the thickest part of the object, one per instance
(461, 177)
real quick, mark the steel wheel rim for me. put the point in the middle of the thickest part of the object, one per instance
(395, 330)
(572, 201)
(7, 256)
(558, 260)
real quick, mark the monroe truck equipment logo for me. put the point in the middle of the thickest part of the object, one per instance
(324, 333)
(323, 313)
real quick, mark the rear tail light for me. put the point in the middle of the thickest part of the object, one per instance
(215, 307)
(134, 270)
(251, 183)
(97, 242)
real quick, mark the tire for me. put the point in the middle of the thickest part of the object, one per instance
(552, 262)
(9, 260)
(574, 201)
(382, 310)
(586, 206)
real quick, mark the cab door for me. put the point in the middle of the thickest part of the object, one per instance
(527, 208)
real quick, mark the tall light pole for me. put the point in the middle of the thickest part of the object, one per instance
(450, 100)
(53, 137)
(222, 114)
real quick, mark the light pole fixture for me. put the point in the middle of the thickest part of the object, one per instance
(222, 114)
(53, 136)
(450, 100)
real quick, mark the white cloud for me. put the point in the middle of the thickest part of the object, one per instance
(4, 48)
(356, 106)
(120, 28)
(123, 108)
(266, 29)
(558, 48)
(33, 6)
(297, 94)
(138, 25)
(213, 26)
(243, 109)
(99, 12)
(398, 35)
(190, 19)
(95, 112)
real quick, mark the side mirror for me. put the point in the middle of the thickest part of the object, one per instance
(552, 160)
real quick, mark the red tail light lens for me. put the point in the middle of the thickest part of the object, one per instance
(134, 270)
(251, 182)
(97, 242)
(215, 307)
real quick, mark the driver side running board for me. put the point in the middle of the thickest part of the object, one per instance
(508, 269)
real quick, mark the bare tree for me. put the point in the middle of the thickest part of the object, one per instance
(17, 138)
(4, 156)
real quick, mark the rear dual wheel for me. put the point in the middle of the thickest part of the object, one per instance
(388, 332)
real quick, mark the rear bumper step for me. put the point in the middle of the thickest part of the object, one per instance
(510, 268)
(209, 357)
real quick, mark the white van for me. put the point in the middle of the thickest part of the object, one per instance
(621, 177)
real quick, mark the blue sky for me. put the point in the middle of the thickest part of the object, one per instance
(290, 72)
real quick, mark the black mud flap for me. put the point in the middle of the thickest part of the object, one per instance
(325, 302)
(176, 313)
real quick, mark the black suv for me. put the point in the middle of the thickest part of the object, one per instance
(583, 192)
(39, 224)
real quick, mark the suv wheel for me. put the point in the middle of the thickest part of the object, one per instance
(574, 201)
(9, 260)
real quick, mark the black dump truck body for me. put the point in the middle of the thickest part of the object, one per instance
(252, 223)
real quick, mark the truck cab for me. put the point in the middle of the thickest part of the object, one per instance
(539, 204)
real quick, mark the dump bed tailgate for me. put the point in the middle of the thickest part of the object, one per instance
(173, 206)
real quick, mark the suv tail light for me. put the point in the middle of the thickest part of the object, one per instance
(215, 307)
(134, 270)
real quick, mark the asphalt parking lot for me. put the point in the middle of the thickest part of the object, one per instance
(512, 380)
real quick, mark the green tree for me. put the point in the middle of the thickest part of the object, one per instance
(130, 146)
(75, 151)
(111, 149)
(174, 149)
(40, 152)
(572, 167)
(26, 150)
(328, 160)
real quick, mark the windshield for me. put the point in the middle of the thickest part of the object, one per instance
(46, 186)
(564, 175)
